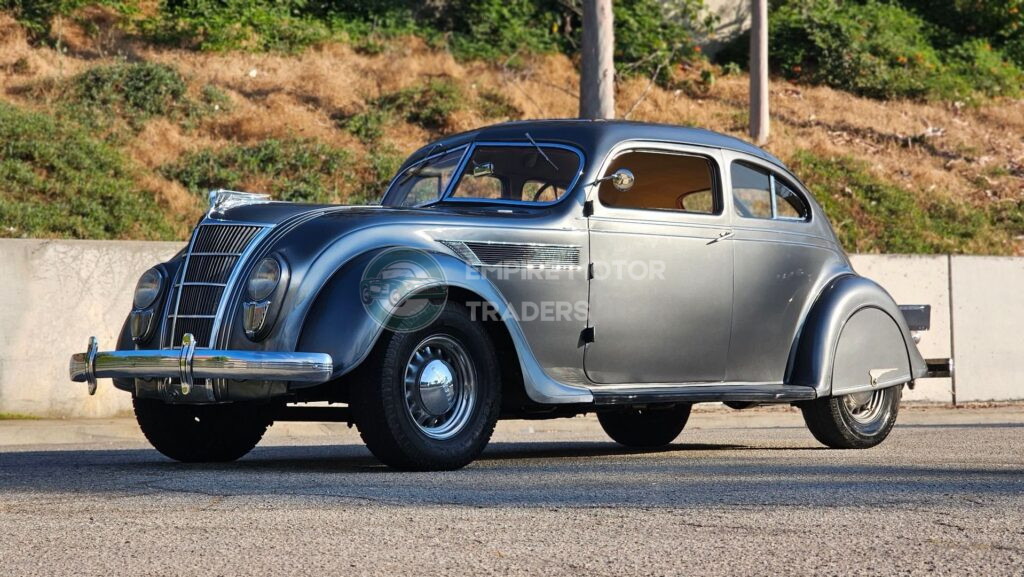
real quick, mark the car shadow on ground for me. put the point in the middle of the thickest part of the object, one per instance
(577, 473)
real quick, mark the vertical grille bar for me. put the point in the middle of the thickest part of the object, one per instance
(214, 254)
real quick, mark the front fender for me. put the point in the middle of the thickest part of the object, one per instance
(338, 324)
(854, 339)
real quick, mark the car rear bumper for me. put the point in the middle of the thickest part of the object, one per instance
(189, 364)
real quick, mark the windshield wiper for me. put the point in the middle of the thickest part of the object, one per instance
(416, 170)
(541, 151)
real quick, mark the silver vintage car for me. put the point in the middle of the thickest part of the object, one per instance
(531, 270)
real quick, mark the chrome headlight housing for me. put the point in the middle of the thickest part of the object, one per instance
(148, 289)
(264, 279)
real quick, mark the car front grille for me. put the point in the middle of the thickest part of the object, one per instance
(204, 280)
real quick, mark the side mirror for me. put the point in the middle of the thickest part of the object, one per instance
(622, 179)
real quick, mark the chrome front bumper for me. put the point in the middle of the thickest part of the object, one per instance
(189, 364)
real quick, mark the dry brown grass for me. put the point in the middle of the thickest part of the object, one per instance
(972, 155)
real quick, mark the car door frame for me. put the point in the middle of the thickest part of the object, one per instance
(788, 262)
(705, 229)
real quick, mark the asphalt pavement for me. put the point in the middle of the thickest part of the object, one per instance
(740, 493)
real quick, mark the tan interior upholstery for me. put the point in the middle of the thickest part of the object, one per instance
(660, 180)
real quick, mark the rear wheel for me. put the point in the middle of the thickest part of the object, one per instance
(201, 433)
(429, 399)
(645, 427)
(855, 421)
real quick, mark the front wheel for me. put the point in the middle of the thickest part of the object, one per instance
(645, 427)
(429, 399)
(201, 433)
(855, 421)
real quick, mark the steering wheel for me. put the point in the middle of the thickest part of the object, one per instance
(541, 190)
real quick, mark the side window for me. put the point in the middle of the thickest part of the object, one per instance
(789, 204)
(664, 181)
(751, 191)
(424, 190)
(758, 193)
(425, 181)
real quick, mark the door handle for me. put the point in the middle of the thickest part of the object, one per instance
(721, 236)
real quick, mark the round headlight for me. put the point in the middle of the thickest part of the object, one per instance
(148, 288)
(264, 279)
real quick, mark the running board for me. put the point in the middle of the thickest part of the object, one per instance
(705, 393)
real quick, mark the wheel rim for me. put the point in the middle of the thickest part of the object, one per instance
(440, 387)
(865, 407)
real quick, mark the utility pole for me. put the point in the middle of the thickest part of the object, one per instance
(597, 79)
(759, 71)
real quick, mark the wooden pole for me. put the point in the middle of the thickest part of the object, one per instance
(597, 78)
(759, 120)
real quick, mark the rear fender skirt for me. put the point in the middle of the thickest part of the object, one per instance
(854, 339)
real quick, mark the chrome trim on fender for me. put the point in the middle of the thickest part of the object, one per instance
(190, 363)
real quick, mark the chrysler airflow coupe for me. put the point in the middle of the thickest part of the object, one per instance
(527, 270)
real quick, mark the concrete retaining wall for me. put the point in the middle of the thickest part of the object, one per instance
(54, 294)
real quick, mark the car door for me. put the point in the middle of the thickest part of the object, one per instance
(662, 267)
(782, 257)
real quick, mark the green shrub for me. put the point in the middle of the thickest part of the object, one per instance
(880, 50)
(428, 104)
(36, 15)
(368, 126)
(979, 68)
(497, 106)
(135, 91)
(652, 34)
(292, 170)
(875, 49)
(58, 181)
(218, 25)
(954, 22)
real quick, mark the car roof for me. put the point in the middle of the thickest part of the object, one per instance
(589, 133)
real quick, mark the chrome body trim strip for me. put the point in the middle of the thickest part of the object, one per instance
(701, 392)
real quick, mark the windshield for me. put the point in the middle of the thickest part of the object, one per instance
(517, 173)
(524, 173)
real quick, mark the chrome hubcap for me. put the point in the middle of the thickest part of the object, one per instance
(440, 387)
(865, 407)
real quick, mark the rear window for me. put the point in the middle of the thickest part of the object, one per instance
(760, 193)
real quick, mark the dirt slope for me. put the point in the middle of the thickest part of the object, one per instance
(971, 159)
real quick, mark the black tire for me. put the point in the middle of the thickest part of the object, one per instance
(837, 425)
(655, 427)
(201, 433)
(382, 408)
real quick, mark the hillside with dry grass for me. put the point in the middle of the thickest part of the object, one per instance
(94, 145)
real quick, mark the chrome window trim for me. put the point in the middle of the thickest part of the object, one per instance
(717, 182)
(459, 165)
(447, 197)
(771, 178)
(663, 215)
